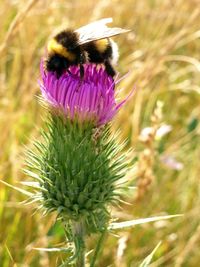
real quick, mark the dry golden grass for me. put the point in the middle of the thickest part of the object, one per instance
(163, 63)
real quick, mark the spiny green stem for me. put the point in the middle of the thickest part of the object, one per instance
(79, 237)
(81, 258)
(98, 248)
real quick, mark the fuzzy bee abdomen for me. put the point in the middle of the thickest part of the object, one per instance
(98, 51)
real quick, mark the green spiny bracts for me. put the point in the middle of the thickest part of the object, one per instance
(78, 171)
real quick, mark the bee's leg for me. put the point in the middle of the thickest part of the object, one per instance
(81, 71)
(81, 76)
(82, 60)
(109, 68)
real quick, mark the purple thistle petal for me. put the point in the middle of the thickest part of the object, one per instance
(92, 98)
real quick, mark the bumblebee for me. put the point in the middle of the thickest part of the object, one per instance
(90, 43)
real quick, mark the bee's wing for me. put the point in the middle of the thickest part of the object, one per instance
(97, 30)
(91, 25)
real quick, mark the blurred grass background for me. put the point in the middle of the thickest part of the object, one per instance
(163, 62)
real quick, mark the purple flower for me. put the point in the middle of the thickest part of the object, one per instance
(92, 99)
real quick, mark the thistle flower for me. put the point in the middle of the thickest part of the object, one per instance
(78, 163)
(77, 166)
(92, 99)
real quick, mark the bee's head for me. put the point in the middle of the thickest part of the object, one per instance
(68, 39)
(57, 63)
